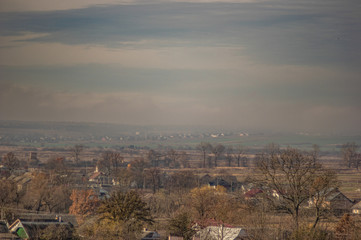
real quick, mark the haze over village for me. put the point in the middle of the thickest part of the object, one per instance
(180, 119)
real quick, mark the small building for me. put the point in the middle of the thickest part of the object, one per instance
(22, 181)
(222, 232)
(252, 194)
(33, 159)
(150, 235)
(99, 177)
(228, 182)
(5, 233)
(356, 209)
(339, 204)
(24, 229)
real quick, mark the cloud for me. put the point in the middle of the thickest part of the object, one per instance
(276, 32)
(268, 64)
(33, 53)
(32, 103)
(54, 5)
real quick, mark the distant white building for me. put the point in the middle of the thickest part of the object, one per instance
(221, 232)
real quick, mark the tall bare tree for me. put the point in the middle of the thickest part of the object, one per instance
(153, 157)
(76, 151)
(217, 151)
(153, 177)
(184, 159)
(349, 154)
(321, 187)
(110, 162)
(290, 173)
(173, 156)
(204, 147)
(229, 155)
(240, 155)
(137, 168)
(10, 161)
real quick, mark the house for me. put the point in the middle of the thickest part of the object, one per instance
(181, 238)
(339, 204)
(205, 179)
(150, 235)
(33, 159)
(228, 182)
(335, 201)
(222, 232)
(22, 181)
(252, 194)
(356, 209)
(220, 182)
(5, 233)
(25, 229)
(99, 177)
(36, 217)
(175, 238)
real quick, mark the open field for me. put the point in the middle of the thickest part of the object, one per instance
(51, 139)
(96, 135)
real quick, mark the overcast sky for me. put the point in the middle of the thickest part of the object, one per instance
(253, 64)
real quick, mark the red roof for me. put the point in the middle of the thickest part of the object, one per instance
(212, 222)
(95, 175)
(253, 192)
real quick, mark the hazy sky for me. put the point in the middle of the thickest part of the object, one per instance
(254, 64)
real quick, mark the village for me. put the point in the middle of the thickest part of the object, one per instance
(211, 192)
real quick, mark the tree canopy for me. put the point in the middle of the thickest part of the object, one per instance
(127, 210)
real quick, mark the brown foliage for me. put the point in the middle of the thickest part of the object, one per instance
(10, 161)
(7, 193)
(85, 203)
(347, 229)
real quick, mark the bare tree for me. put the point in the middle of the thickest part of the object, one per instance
(229, 155)
(56, 164)
(349, 153)
(153, 177)
(116, 160)
(137, 169)
(154, 158)
(110, 162)
(272, 149)
(204, 147)
(217, 151)
(7, 193)
(184, 159)
(39, 190)
(203, 201)
(76, 151)
(320, 188)
(181, 225)
(239, 155)
(173, 156)
(10, 161)
(315, 153)
(289, 174)
(181, 181)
